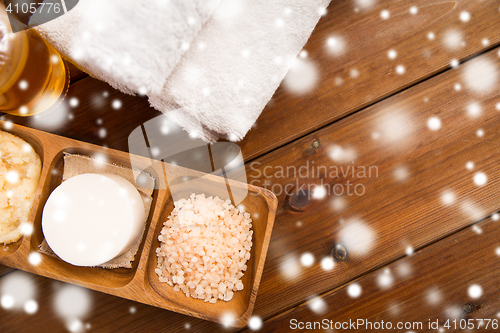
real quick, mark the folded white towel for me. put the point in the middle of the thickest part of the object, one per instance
(220, 85)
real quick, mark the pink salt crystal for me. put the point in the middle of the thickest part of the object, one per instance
(228, 296)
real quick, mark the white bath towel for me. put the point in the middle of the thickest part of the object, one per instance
(224, 74)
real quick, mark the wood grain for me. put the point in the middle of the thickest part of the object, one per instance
(367, 38)
(93, 119)
(75, 73)
(404, 206)
(5, 270)
(363, 74)
(433, 284)
(422, 192)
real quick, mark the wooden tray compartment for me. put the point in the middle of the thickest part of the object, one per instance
(256, 203)
(111, 278)
(36, 143)
(140, 283)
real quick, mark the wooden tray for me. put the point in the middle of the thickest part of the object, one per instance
(140, 283)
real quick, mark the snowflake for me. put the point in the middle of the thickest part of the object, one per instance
(335, 45)
(385, 14)
(354, 290)
(357, 237)
(475, 291)
(255, 323)
(392, 54)
(434, 123)
(307, 259)
(400, 69)
(318, 305)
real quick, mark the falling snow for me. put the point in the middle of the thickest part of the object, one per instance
(16, 290)
(73, 102)
(385, 279)
(404, 270)
(72, 302)
(385, 14)
(302, 77)
(290, 268)
(307, 259)
(117, 104)
(434, 123)
(30, 307)
(335, 45)
(365, 4)
(327, 264)
(400, 69)
(464, 16)
(477, 229)
(453, 40)
(481, 75)
(433, 297)
(102, 133)
(319, 192)
(357, 237)
(447, 197)
(480, 178)
(255, 323)
(23, 84)
(342, 154)
(318, 305)
(34, 258)
(475, 291)
(453, 312)
(401, 173)
(474, 110)
(52, 120)
(227, 319)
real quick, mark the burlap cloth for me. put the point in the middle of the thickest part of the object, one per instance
(77, 165)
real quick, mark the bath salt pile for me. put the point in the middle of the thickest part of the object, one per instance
(204, 246)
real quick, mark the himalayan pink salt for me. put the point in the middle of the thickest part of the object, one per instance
(204, 247)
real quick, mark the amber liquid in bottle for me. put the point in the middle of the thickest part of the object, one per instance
(33, 76)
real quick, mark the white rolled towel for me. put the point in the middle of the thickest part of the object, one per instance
(216, 81)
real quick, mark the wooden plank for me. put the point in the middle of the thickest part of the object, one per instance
(363, 74)
(93, 119)
(5, 270)
(423, 190)
(105, 313)
(432, 285)
(367, 37)
(393, 136)
(401, 212)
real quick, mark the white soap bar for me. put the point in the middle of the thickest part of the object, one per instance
(89, 219)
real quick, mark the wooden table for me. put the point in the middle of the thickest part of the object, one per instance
(420, 244)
